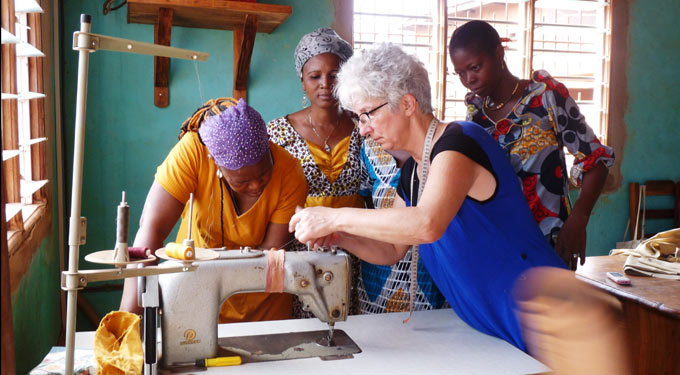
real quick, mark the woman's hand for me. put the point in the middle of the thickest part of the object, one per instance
(313, 225)
(572, 240)
(326, 242)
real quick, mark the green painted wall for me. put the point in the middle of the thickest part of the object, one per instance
(127, 137)
(36, 310)
(652, 147)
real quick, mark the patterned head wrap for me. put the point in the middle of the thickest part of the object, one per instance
(237, 137)
(321, 41)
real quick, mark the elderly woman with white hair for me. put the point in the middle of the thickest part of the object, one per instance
(459, 198)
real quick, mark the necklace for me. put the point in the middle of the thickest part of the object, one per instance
(488, 105)
(325, 141)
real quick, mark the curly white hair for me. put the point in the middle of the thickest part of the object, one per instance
(383, 71)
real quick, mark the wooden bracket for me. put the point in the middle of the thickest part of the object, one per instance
(162, 32)
(245, 18)
(244, 39)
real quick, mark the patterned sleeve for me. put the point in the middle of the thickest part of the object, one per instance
(573, 131)
(470, 106)
(366, 184)
(275, 130)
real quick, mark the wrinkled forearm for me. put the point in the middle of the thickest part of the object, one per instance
(402, 226)
(372, 251)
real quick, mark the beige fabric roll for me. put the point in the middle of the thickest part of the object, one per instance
(658, 256)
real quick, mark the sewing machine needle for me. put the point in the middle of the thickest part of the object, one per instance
(331, 328)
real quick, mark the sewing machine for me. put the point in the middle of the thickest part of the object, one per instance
(191, 300)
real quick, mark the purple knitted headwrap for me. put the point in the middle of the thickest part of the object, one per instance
(236, 137)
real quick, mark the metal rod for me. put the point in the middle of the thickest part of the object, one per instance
(191, 214)
(108, 43)
(91, 276)
(85, 43)
(76, 188)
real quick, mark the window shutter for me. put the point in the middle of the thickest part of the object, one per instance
(24, 50)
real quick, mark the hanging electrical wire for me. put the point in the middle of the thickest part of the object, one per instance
(109, 6)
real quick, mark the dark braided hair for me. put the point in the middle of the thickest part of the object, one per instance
(475, 35)
(210, 108)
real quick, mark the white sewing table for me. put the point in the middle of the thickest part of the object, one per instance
(433, 342)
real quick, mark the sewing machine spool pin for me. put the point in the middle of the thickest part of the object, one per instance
(188, 241)
(120, 252)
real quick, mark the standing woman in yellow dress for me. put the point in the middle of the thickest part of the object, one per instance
(321, 135)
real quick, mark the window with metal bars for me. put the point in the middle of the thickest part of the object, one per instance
(569, 38)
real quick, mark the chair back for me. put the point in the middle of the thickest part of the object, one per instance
(652, 188)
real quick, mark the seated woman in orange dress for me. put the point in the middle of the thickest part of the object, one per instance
(245, 192)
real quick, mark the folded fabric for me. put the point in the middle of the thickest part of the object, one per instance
(118, 344)
(648, 266)
(658, 256)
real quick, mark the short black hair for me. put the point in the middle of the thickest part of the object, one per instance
(475, 35)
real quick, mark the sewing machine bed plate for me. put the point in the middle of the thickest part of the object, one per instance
(290, 345)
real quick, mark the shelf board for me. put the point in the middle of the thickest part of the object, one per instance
(210, 14)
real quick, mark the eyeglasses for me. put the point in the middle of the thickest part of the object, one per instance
(365, 118)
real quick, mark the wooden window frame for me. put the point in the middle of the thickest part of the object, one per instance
(24, 234)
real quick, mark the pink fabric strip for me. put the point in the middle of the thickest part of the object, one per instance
(275, 270)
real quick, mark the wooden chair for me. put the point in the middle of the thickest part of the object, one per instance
(653, 188)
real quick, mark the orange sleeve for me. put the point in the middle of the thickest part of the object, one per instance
(293, 188)
(178, 174)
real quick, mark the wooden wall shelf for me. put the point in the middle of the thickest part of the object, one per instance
(244, 18)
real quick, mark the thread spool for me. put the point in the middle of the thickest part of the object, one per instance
(120, 253)
(139, 252)
(179, 251)
(123, 221)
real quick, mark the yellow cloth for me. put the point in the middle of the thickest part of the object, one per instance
(332, 164)
(118, 344)
(188, 169)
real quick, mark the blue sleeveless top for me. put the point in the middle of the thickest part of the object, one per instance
(479, 257)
